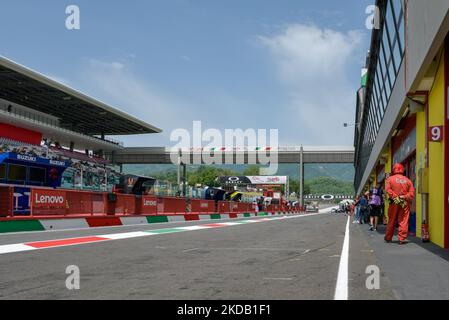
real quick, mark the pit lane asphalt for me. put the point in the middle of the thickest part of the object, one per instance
(286, 259)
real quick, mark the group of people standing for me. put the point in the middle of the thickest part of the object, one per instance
(399, 192)
(369, 209)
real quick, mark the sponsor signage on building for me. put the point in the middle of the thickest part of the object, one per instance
(48, 199)
(36, 160)
(265, 180)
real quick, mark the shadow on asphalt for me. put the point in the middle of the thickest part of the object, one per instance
(433, 248)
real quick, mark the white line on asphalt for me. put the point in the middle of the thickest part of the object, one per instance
(341, 290)
(190, 250)
(126, 235)
(18, 247)
(115, 227)
(10, 248)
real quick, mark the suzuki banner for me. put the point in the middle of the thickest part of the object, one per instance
(41, 198)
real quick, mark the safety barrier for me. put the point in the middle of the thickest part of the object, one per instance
(223, 207)
(202, 206)
(6, 201)
(171, 205)
(43, 202)
(146, 205)
(125, 204)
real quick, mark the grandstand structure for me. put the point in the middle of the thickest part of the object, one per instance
(51, 134)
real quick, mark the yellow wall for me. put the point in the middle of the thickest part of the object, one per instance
(420, 156)
(436, 162)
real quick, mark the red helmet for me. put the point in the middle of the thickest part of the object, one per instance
(398, 168)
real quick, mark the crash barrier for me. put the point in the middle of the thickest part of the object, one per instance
(6, 203)
(202, 206)
(39, 202)
(171, 205)
(147, 205)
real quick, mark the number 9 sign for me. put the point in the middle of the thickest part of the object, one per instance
(436, 134)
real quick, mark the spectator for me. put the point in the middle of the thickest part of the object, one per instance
(364, 209)
(375, 207)
(357, 210)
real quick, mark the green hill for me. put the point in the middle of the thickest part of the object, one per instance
(341, 172)
(319, 178)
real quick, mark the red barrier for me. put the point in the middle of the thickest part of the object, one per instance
(125, 204)
(171, 205)
(79, 203)
(202, 206)
(192, 217)
(45, 202)
(103, 221)
(224, 207)
(99, 205)
(51, 202)
(6, 201)
(146, 205)
(243, 207)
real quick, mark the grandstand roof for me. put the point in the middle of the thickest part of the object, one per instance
(76, 111)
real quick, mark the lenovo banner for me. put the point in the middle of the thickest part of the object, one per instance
(149, 205)
(48, 198)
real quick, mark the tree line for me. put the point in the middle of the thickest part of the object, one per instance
(207, 175)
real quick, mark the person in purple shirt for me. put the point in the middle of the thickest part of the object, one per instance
(375, 203)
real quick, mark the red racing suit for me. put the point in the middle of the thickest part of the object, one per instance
(399, 186)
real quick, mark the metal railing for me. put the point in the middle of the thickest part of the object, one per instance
(42, 120)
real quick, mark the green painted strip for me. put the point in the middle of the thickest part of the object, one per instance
(215, 216)
(157, 219)
(162, 231)
(247, 215)
(21, 226)
(262, 214)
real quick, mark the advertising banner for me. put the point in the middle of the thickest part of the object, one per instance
(149, 205)
(256, 180)
(21, 201)
(42, 198)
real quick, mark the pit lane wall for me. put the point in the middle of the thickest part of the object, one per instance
(38, 209)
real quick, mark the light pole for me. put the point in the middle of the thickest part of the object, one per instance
(301, 177)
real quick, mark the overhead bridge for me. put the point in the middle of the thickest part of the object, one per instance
(281, 155)
(285, 155)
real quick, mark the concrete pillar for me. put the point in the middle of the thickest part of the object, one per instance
(184, 180)
(179, 168)
(301, 177)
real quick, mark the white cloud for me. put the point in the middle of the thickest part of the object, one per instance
(186, 58)
(313, 65)
(117, 84)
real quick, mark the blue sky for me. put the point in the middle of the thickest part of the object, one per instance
(288, 65)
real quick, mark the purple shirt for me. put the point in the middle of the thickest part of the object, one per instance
(376, 197)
